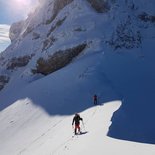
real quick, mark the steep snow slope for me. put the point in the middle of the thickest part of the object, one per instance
(116, 62)
(28, 130)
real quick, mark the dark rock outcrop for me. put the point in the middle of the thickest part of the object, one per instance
(125, 37)
(18, 62)
(100, 6)
(145, 17)
(58, 6)
(3, 81)
(58, 60)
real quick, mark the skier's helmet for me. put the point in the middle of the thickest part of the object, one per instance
(76, 114)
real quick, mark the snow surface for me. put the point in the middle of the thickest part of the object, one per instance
(27, 129)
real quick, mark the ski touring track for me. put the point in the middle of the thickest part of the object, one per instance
(67, 144)
(54, 145)
(41, 136)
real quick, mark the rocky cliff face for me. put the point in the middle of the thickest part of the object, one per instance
(45, 29)
(15, 30)
(60, 25)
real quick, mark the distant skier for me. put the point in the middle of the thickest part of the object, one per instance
(95, 99)
(76, 121)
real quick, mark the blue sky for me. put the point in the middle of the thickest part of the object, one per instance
(12, 11)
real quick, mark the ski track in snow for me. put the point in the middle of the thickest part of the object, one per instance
(58, 138)
(44, 134)
(65, 145)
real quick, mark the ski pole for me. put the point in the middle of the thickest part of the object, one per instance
(73, 128)
(83, 126)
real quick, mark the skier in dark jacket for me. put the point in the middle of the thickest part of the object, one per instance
(77, 120)
(95, 99)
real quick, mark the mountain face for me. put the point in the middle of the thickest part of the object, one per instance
(97, 46)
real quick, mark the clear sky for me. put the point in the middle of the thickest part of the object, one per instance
(12, 11)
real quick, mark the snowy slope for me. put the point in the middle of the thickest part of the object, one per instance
(40, 134)
(116, 64)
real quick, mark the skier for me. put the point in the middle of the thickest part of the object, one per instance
(95, 99)
(77, 120)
